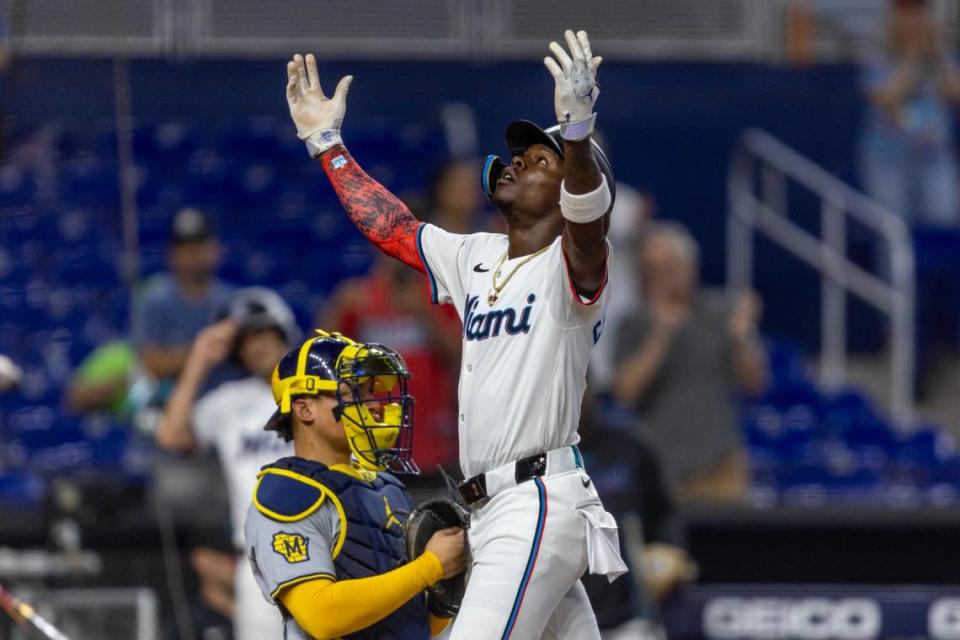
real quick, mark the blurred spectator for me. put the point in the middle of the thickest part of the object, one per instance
(799, 32)
(172, 308)
(456, 201)
(907, 160)
(216, 572)
(102, 381)
(391, 306)
(630, 483)
(856, 28)
(258, 329)
(6, 55)
(10, 374)
(681, 359)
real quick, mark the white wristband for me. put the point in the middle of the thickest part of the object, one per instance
(585, 207)
(319, 141)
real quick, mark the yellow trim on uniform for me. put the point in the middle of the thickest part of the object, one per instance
(306, 578)
(324, 493)
(363, 475)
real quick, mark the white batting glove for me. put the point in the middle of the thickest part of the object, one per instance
(317, 117)
(577, 89)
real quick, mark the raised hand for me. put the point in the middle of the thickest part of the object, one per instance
(744, 316)
(317, 117)
(215, 343)
(576, 90)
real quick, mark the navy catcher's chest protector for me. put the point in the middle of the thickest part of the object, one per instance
(374, 543)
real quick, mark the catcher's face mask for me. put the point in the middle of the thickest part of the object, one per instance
(375, 409)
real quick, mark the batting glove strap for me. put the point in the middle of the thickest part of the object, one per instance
(319, 141)
(580, 130)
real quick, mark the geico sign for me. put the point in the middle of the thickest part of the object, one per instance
(800, 618)
(943, 619)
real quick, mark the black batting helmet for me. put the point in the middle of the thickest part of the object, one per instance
(520, 136)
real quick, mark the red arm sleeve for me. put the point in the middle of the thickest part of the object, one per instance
(379, 214)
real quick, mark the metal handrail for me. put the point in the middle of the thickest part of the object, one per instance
(757, 200)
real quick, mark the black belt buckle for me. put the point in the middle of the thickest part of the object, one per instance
(473, 490)
(531, 467)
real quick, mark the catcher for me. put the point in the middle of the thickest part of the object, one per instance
(332, 542)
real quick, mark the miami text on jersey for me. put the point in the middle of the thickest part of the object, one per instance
(480, 326)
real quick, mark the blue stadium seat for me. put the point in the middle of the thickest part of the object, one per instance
(22, 488)
(18, 186)
(170, 143)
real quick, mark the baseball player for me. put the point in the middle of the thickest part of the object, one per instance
(324, 535)
(257, 327)
(531, 302)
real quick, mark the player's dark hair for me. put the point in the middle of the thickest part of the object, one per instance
(284, 428)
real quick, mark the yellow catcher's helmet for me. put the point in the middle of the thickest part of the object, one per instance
(369, 382)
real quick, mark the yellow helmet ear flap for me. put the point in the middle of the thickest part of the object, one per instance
(285, 402)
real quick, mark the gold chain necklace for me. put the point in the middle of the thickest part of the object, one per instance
(497, 288)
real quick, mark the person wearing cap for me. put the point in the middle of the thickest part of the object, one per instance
(907, 148)
(682, 358)
(173, 307)
(102, 381)
(256, 328)
(324, 531)
(10, 374)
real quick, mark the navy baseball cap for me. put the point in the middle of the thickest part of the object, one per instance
(523, 134)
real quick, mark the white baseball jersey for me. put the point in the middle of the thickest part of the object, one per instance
(524, 364)
(230, 419)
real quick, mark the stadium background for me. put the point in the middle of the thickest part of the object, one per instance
(195, 91)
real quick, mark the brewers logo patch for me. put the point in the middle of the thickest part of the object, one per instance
(292, 546)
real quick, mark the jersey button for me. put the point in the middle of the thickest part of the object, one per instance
(461, 417)
(469, 367)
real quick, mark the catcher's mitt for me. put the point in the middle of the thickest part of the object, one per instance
(443, 598)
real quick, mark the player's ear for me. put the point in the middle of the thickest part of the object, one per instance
(303, 410)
